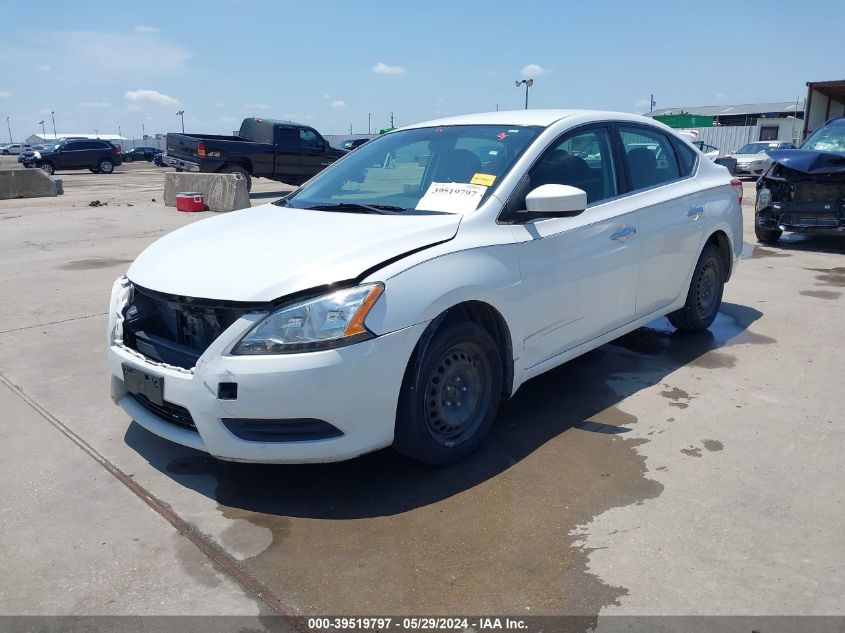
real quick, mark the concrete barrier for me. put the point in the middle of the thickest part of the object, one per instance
(26, 183)
(223, 192)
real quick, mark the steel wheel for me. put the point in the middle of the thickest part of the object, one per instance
(458, 383)
(706, 285)
(106, 166)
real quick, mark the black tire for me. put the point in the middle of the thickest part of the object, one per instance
(93, 170)
(48, 168)
(705, 293)
(237, 169)
(766, 236)
(449, 396)
(105, 166)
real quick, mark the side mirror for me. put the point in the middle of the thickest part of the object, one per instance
(556, 201)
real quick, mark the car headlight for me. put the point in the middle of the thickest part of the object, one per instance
(323, 322)
(764, 199)
(121, 296)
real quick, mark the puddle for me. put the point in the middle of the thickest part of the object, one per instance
(96, 262)
(754, 251)
(713, 445)
(820, 294)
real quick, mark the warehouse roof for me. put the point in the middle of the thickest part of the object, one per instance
(736, 110)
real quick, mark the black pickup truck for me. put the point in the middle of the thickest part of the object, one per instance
(280, 150)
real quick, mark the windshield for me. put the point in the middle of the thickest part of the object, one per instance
(56, 146)
(830, 138)
(448, 169)
(756, 148)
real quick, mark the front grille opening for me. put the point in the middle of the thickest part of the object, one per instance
(174, 330)
(168, 411)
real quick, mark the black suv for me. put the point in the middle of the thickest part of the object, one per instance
(100, 157)
(140, 153)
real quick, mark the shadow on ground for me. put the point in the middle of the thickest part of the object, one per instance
(580, 394)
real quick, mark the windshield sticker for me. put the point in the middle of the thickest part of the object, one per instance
(502, 136)
(452, 197)
(483, 179)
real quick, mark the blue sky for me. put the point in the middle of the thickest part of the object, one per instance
(100, 66)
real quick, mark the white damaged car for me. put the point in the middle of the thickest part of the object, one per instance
(398, 296)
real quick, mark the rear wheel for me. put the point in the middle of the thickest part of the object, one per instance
(449, 396)
(105, 166)
(237, 169)
(48, 168)
(705, 293)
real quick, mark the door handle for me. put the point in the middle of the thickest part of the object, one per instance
(624, 233)
(695, 212)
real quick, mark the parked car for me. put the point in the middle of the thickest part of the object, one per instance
(752, 158)
(803, 190)
(398, 305)
(279, 150)
(14, 148)
(159, 158)
(351, 144)
(96, 155)
(709, 151)
(140, 153)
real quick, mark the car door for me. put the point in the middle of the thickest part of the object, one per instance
(671, 212)
(286, 150)
(313, 157)
(66, 155)
(578, 273)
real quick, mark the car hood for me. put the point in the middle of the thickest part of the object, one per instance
(809, 161)
(263, 253)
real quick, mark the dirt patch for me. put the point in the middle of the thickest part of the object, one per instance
(93, 263)
(679, 397)
(715, 360)
(691, 451)
(752, 251)
(820, 294)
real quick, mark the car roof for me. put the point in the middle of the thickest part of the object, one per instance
(543, 118)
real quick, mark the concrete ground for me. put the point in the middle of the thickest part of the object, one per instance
(659, 474)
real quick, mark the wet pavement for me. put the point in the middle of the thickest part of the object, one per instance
(661, 473)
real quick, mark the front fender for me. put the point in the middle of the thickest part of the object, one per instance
(422, 292)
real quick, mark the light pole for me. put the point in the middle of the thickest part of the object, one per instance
(528, 83)
(53, 116)
(43, 131)
(651, 104)
(9, 125)
(369, 122)
(181, 113)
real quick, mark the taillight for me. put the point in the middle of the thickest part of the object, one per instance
(737, 187)
(201, 149)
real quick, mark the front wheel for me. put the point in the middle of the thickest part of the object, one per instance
(237, 169)
(766, 236)
(705, 293)
(449, 396)
(105, 166)
(48, 168)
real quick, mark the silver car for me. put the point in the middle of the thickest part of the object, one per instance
(752, 158)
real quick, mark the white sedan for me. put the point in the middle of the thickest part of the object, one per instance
(401, 294)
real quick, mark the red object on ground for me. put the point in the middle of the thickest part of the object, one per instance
(190, 201)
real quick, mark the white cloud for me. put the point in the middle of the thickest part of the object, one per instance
(259, 106)
(384, 69)
(152, 96)
(134, 107)
(5, 94)
(641, 106)
(327, 96)
(143, 28)
(218, 105)
(225, 119)
(491, 73)
(43, 68)
(337, 104)
(102, 105)
(533, 70)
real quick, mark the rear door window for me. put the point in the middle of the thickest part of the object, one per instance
(287, 139)
(650, 157)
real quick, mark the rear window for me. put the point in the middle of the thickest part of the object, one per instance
(687, 157)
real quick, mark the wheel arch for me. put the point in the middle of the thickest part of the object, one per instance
(721, 241)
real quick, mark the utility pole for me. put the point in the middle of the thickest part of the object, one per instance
(143, 132)
(369, 123)
(9, 125)
(651, 103)
(497, 107)
(391, 119)
(528, 83)
(350, 129)
(53, 116)
(181, 113)
(43, 131)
